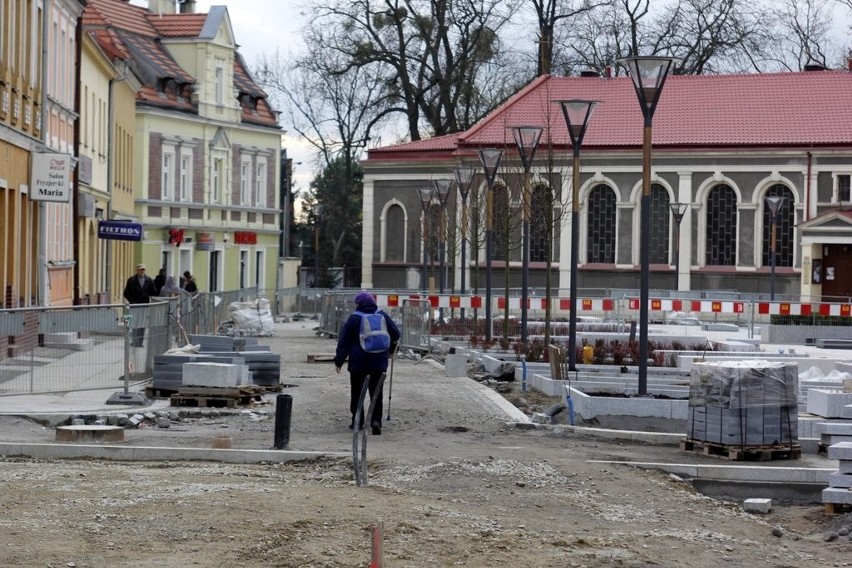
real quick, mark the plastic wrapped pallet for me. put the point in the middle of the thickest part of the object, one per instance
(252, 318)
(744, 403)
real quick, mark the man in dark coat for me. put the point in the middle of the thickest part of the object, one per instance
(363, 365)
(160, 280)
(139, 290)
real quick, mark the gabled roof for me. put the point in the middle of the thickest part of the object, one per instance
(769, 110)
(836, 219)
(135, 34)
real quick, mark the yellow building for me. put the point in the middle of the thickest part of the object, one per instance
(206, 147)
(105, 173)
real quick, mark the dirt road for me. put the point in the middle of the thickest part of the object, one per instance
(450, 482)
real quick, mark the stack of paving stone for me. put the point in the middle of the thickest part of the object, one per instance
(168, 369)
(839, 492)
(744, 403)
(264, 365)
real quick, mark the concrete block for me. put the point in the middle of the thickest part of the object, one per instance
(837, 495)
(93, 433)
(831, 439)
(844, 466)
(841, 451)
(838, 479)
(835, 428)
(828, 403)
(215, 375)
(541, 418)
(455, 366)
(757, 505)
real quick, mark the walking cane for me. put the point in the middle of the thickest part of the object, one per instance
(390, 386)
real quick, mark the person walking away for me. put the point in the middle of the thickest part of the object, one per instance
(367, 349)
(139, 290)
(160, 280)
(189, 283)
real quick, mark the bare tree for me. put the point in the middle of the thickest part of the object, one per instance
(802, 29)
(429, 55)
(550, 14)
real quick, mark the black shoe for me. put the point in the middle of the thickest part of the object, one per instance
(377, 429)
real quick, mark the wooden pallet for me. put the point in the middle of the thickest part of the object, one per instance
(837, 508)
(742, 453)
(217, 397)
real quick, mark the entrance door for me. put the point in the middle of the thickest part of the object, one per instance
(837, 273)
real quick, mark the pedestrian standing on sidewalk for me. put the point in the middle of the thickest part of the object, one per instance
(364, 365)
(138, 290)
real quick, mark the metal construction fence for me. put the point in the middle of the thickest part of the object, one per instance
(63, 349)
(455, 316)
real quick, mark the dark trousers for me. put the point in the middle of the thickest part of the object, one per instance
(137, 336)
(356, 382)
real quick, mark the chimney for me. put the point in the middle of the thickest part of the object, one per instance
(589, 73)
(162, 6)
(187, 6)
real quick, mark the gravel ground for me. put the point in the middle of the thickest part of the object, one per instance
(450, 482)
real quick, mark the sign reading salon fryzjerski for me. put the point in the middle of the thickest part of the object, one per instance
(51, 175)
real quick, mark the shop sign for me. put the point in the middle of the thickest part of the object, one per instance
(204, 241)
(51, 175)
(120, 230)
(245, 238)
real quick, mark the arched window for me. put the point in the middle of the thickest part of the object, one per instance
(541, 224)
(783, 229)
(395, 234)
(660, 216)
(721, 226)
(600, 240)
(502, 224)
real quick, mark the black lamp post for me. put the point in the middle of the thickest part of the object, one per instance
(490, 158)
(648, 75)
(442, 190)
(464, 177)
(318, 211)
(526, 138)
(774, 203)
(678, 211)
(425, 194)
(577, 114)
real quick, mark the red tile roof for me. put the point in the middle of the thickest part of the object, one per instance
(178, 25)
(131, 32)
(770, 110)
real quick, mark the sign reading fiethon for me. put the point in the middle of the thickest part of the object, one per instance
(51, 175)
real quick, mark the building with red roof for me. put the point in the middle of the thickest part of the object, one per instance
(721, 145)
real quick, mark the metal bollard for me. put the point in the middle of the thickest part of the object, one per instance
(283, 410)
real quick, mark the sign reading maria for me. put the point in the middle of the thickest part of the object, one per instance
(51, 174)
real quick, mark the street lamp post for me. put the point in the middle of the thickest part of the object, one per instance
(678, 211)
(649, 76)
(490, 158)
(464, 177)
(774, 203)
(442, 190)
(526, 138)
(425, 194)
(577, 114)
(318, 211)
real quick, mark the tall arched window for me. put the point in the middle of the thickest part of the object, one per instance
(783, 229)
(600, 239)
(502, 224)
(721, 226)
(395, 234)
(541, 224)
(660, 216)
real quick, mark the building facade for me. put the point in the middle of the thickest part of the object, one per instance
(206, 147)
(721, 145)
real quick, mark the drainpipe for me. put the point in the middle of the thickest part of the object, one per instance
(41, 275)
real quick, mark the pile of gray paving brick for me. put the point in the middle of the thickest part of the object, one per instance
(217, 361)
(165, 418)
